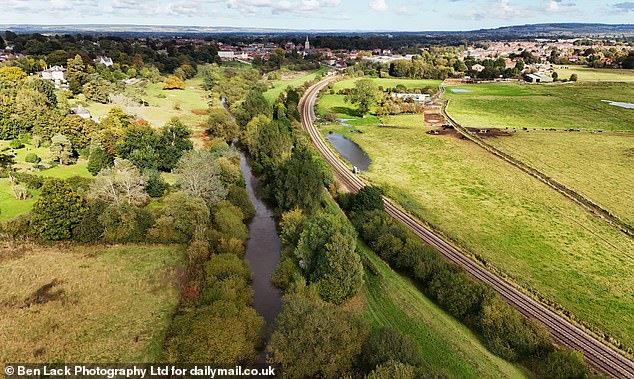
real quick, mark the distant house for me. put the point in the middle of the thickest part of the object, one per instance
(55, 74)
(107, 61)
(478, 67)
(417, 97)
(81, 112)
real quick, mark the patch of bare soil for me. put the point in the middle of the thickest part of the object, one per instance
(45, 294)
(489, 132)
(434, 118)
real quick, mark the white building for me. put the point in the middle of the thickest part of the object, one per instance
(107, 61)
(56, 74)
(478, 67)
(229, 55)
(417, 97)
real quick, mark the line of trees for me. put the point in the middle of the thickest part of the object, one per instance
(502, 328)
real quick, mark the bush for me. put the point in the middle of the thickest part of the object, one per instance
(314, 340)
(17, 227)
(563, 364)
(57, 211)
(222, 334)
(387, 345)
(238, 196)
(224, 266)
(125, 223)
(98, 161)
(90, 228)
(16, 144)
(32, 158)
(285, 273)
(31, 181)
(393, 370)
(508, 334)
(155, 185)
(457, 293)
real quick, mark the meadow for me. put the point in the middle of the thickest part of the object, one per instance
(447, 346)
(513, 223)
(49, 312)
(589, 74)
(550, 106)
(600, 166)
(188, 105)
(295, 80)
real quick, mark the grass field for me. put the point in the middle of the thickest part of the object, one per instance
(297, 80)
(589, 74)
(446, 345)
(165, 105)
(510, 220)
(558, 106)
(120, 315)
(600, 166)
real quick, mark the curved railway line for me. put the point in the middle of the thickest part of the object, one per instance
(598, 354)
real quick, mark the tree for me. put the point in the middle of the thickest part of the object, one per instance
(574, 77)
(563, 364)
(299, 183)
(221, 334)
(76, 74)
(555, 75)
(98, 89)
(121, 185)
(314, 340)
(61, 149)
(220, 125)
(156, 185)
(173, 141)
(363, 94)
(12, 74)
(179, 218)
(387, 345)
(99, 160)
(57, 211)
(198, 174)
(78, 130)
(174, 82)
(291, 227)
(339, 272)
(255, 104)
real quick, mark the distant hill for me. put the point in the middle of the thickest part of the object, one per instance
(518, 31)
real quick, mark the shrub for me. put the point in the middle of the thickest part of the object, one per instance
(173, 82)
(98, 161)
(222, 334)
(224, 266)
(508, 334)
(90, 228)
(32, 158)
(393, 370)
(314, 340)
(563, 364)
(17, 227)
(238, 196)
(155, 185)
(285, 273)
(16, 144)
(387, 345)
(228, 221)
(457, 293)
(57, 211)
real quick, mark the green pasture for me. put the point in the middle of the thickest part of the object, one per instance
(598, 165)
(280, 86)
(511, 221)
(589, 74)
(547, 106)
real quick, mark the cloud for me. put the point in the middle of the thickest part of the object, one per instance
(556, 6)
(378, 5)
(501, 9)
(253, 7)
(627, 6)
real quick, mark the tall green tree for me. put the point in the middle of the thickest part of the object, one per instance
(174, 139)
(363, 94)
(312, 340)
(57, 211)
(299, 183)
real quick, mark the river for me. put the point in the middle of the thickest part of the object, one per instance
(263, 250)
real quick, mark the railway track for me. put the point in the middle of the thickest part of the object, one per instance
(597, 354)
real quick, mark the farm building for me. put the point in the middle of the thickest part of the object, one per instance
(538, 78)
(417, 97)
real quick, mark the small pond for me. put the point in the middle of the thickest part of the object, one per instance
(619, 104)
(460, 90)
(350, 150)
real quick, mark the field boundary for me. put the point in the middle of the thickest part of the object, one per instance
(570, 193)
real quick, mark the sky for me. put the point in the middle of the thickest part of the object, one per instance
(409, 15)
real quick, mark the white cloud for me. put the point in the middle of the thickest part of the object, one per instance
(556, 6)
(378, 5)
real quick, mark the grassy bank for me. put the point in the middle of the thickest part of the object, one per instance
(446, 345)
(510, 220)
(50, 312)
(295, 80)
